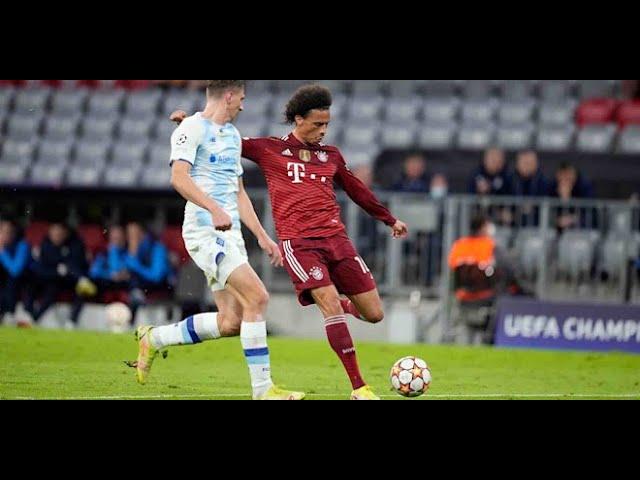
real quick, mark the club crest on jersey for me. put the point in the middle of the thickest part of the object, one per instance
(287, 153)
(316, 273)
(323, 156)
(305, 156)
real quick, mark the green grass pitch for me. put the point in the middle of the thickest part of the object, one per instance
(44, 364)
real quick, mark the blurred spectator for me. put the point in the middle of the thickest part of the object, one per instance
(368, 239)
(61, 266)
(528, 180)
(147, 261)
(108, 270)
(14, 261)
(482, 271)
(569, 184)
(492, 177)
(439, 186)
(414, 177)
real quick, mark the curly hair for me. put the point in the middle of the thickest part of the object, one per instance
(307, 98)
(217, 87)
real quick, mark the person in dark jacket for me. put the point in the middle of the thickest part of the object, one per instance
(414, 177)
(529, 182)
(60, 265)
(492, 177)
(15, 256)
(570, 184)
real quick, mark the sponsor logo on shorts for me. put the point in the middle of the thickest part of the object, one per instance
(316, 273)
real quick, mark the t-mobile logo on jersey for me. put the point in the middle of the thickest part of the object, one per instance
(297, 173)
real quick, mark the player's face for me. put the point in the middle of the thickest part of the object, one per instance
(235, 102)
(313, 128)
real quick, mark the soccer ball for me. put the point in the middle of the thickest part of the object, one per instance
(411, 377)
(118, 317)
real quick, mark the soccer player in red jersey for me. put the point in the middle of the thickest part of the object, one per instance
(319, 256)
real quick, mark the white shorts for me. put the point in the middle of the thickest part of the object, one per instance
(218, 254)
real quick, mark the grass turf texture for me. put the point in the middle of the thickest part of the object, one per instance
(44, 364)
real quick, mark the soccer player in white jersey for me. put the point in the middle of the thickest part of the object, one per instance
(205, 159)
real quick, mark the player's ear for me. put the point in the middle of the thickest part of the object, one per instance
(299, 120)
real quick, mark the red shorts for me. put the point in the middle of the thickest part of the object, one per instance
(320, 262)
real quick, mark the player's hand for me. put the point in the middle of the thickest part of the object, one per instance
(178, 116)
(272, 250)
(221, 220)
(400, 230)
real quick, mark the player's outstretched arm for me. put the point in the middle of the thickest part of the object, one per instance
(365, 198)
(250, 219)
(183, 183)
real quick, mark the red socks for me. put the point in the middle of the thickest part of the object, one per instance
(341, 342)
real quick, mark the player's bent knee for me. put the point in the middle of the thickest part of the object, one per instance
(375, 317)
(230, 326)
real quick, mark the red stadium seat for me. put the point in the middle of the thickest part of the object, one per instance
(133, 84)
(94, 239)
(629, 113)
(36, 232)
(596, 111)
(172, 238)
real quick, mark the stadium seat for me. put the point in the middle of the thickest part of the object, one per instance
(614, 255)
(476, 136)
(17, 152)
(401, 109)
(557, 114)
(630, 140)
(105, 103)
(576, 253)
(48, 174)
(94, 238)
(134, 130)
(478, 89)
(80, 175)
(358, 157)
(402, 89)
(518, 89)
(24, 127)
(278, 130)
(555, 139)
(479, 111)
(596, 111)
(159, 154)
(36, 232)
(54, 152)
(628, 113)
(163, 129)
(365, 109)
(515, 137)
(516, 112)
(157, 178)
(62, 127)
(12, 173)
(398, 135)
(251, 128)
(441, 110)
(366, 88)
(119, 176)
(142, 104)
(69, 102)
(177, 100)
(437, 135)
(126, 153)
(503, 237)
(596, 88)
(441, 88)
(6, 98)
(555, 90)
(357, 135)
(92, 153)
(98, 129)
(596, 138)
(30, 100)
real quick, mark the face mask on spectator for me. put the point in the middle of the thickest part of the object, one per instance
(439, 192)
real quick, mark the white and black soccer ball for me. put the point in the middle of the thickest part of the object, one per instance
(411, 377)
(118, 317)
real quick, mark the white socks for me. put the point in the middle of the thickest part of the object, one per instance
(196, 329)
(254, 342)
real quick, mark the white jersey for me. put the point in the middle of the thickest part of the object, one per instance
(215, 152)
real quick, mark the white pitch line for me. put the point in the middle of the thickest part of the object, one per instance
(452, 396)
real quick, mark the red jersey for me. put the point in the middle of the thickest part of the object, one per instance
(300, 180)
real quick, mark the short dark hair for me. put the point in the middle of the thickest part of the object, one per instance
(307, 98)
(216, 87)
(477, 223)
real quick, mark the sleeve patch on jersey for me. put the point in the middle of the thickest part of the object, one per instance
(182, 139)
